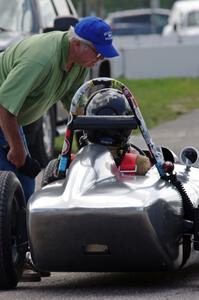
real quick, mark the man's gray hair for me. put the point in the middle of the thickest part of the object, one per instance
(73, 36)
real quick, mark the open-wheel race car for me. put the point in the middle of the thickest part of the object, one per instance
(110, 207)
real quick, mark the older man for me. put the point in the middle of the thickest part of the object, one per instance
(39, 71)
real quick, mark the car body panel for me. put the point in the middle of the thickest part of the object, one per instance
(184, 19)
(98, 220)
(7, 38)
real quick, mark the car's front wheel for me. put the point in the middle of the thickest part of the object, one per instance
(13, 237)
(40, 137)
(50, 172)
(47, 135)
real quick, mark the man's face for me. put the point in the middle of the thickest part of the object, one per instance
(87, 56)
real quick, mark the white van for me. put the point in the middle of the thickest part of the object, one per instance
(184, 18)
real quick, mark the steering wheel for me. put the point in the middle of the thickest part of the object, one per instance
(138, 149)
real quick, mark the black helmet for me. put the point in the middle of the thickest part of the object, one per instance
(108, 102)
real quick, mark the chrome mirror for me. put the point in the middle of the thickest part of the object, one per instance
(189, 156)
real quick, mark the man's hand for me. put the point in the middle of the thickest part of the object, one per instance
(8, 123)
(17, 156)
(31, 167)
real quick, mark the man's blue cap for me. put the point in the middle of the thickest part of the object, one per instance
(98, 32)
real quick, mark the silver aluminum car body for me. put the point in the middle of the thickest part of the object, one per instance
(97, 219)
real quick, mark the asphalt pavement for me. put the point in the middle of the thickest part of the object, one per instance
(177, 134)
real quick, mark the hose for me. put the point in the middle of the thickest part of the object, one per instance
(187, 204)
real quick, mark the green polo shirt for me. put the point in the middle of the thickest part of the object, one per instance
(33, 76)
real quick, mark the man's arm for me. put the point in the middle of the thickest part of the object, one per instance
(10, 128)
(13, 93)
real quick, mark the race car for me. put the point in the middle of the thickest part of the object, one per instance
(112, 206)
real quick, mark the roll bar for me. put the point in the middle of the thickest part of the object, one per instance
(104, 122)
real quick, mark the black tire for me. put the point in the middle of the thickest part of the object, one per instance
(45, 139)
(12, 230)
(50, 172)
(41, 138)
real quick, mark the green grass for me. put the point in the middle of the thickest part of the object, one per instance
(160, 100)
(164, 99)
(59, 142)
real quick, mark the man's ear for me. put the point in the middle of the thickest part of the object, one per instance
(76, 45)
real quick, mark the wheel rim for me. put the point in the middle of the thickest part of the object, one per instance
(47, 134)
